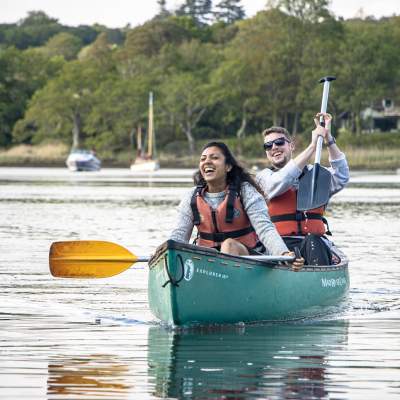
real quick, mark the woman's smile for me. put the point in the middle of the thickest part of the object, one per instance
(213, 168)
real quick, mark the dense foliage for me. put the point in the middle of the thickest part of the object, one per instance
(213, 74)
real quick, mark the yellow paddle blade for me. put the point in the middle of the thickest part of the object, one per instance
(89, 259)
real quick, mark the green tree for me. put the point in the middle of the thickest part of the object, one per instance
(119, 106)
(60, 107)
(86, 33)
(368, 66)
(63, 44)
(318, 56)
(148, 39)
(100, 53)
(229, 11)
(393, 26)
(21, 74)
(233, 90)
(37, 28)
(198, 10)
(314, 35)
(32, 31)
(261, 63)
(305, 10)
(184, 90)
(163, 12)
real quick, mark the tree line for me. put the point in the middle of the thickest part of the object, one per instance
(213, 72)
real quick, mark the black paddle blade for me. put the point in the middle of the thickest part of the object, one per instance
(314, 188)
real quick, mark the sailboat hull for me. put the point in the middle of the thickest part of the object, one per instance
(145, 166)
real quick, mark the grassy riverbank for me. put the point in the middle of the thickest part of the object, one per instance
(50, 154)
(366, 152)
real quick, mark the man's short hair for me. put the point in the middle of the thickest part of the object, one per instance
(277, 129)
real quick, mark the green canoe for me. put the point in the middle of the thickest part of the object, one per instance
(194, 285)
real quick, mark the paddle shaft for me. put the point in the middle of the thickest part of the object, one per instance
(324, 105)
(113, 259)
(101, 259)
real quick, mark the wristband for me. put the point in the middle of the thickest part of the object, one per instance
(331, 141)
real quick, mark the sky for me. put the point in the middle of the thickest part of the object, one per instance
(119, 13)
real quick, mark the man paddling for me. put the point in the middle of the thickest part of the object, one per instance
(280, 182)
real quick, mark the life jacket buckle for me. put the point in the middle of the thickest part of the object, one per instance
(218, 237)
(300, 216)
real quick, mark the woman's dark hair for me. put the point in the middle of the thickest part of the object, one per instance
(236, 176)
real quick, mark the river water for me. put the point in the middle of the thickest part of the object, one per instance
(89, 339)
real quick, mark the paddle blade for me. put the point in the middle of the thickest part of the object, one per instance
(89, 259)
(314, 188)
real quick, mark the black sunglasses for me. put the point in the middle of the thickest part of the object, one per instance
(278, 142)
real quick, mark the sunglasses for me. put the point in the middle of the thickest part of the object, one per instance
(278, 142)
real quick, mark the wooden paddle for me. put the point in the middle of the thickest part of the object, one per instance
(99, 259)
(314, 185)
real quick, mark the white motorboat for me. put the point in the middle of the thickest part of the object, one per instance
(83, 160)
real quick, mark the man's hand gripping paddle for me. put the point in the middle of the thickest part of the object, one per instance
(314, 185)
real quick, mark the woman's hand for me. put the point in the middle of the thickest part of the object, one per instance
(298, 263)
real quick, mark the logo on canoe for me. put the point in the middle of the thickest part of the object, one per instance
(189, 270)
(333, 282)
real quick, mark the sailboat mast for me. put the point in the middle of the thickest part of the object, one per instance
(139, 141)
(150, 127)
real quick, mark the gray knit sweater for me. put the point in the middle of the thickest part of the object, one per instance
(255, 207)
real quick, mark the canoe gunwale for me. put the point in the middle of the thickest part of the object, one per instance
(214, 254)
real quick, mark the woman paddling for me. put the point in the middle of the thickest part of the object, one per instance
(228, 209)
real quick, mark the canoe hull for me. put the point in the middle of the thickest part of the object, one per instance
(189, 285)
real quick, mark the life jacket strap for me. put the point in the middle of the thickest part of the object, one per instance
(328, 231)
(298, 216)
(219, 237)
(193, 204)
(232, 194)
(230, 209)
(301, 216)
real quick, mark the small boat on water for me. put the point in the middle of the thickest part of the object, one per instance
(146, 162)
(188, 284)
(145, 165)
(193, 285)
(83, 160)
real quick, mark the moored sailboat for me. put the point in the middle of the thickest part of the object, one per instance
(146, 162)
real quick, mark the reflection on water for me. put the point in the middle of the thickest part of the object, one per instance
(275, 361)
(95, 375)
(271, 361)
(85, 339)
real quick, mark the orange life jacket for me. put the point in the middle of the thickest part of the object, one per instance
(229, 220)
(289, 221)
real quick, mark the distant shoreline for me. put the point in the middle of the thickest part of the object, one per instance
(251, 164)
(54, 155)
